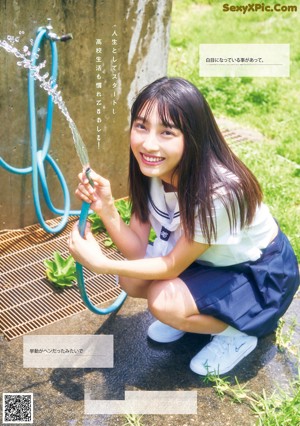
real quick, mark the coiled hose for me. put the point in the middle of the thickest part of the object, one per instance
(40, 156)
(37, 169)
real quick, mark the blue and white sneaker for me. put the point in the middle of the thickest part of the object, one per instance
(163, 333)
(222, 354)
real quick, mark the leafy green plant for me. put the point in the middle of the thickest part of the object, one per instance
(124, 208)
(152, 235)
(97, 224)
(61, 272)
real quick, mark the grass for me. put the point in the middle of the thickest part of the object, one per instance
(270, 105)
(133, 420)
(280, 408)
(284, 337)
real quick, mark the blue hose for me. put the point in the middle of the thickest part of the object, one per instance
(37, 169)
(40, 156)
(79, 272)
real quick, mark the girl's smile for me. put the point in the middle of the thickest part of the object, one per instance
(157, 147)
(151, 159)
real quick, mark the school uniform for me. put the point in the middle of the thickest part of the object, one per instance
(242, 279)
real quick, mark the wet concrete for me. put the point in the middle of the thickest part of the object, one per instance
(140, 364)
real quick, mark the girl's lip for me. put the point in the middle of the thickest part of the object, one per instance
(151, 159)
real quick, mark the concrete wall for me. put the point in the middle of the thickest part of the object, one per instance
(134, 42)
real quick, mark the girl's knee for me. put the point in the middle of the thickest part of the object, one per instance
(171, 302)
(160, 300)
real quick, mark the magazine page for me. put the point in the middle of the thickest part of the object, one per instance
(149, 250)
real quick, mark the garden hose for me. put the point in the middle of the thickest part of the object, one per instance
(40, 156)
(79, 269)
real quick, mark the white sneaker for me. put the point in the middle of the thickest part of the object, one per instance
(163, 333)
(222, 354)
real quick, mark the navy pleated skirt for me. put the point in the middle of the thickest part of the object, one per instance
(249, 296)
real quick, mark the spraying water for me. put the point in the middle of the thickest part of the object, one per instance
(48, 84)
(25, 60)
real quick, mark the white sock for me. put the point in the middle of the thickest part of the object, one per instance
(230, 332)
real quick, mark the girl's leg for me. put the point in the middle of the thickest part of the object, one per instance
(171, 302)
(134, 287)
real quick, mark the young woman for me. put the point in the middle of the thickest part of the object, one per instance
(219, 265)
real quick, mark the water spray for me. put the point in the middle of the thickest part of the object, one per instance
(28, 59)
(40, 156)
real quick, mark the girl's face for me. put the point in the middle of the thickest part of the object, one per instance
(158, 149)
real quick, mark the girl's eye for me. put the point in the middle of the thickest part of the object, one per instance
(168, 133)
(139, 125)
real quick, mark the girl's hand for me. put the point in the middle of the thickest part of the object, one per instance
(99, 196)
(86, 250)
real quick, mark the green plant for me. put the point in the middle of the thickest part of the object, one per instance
(133, 420)
(61, 272)
(281, 408)
(152, 235)
(96, 222)
(124, 208)
(284, 336)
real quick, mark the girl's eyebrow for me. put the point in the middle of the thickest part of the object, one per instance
(141, 118)
(145, 120)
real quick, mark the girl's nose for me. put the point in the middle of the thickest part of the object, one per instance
(150, 142)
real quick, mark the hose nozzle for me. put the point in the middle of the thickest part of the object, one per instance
(88, 173)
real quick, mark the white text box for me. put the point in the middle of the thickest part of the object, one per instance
(244, 60)
(68, 351)
(145, 402)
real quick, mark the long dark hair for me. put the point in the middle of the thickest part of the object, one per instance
(205, 152)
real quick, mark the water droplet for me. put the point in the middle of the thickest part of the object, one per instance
(49, 85)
